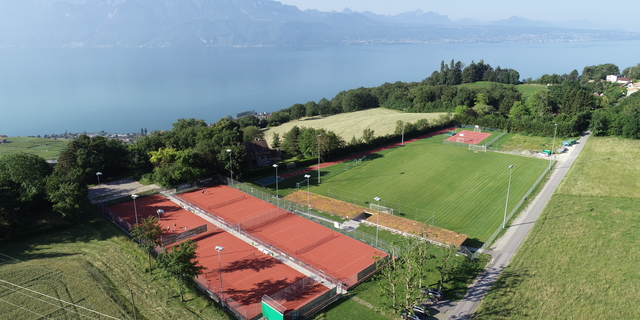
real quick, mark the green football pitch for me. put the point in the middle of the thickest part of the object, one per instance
(447, 186)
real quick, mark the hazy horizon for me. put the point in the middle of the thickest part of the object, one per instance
(620, 17)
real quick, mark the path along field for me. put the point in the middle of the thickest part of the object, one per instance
(464, 191)
(580, 261)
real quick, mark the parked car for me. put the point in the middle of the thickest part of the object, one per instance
(434, 294)
(420, 310)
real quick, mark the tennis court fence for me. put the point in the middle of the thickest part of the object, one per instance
(239, 311)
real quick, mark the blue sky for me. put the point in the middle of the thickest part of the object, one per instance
(612, 15)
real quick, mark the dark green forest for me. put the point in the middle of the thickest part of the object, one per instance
(476, 94)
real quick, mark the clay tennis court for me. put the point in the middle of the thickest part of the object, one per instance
(247, 274)
(338, 255)
(469, 137)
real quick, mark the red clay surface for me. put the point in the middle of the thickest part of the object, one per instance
(341, 257)
(247, 273)
(469, 137)
(361, 154)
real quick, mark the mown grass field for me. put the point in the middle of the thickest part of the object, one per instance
(580, 261)
(465, 191)
(92, 265)
(347, 125)
(48, 149)
(529, 89)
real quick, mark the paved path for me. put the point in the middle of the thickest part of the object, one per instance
(117, 189)
(505, 247)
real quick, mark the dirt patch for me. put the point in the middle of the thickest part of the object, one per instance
(326, 204)
(350, 211)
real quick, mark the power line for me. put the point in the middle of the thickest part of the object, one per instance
(16, 260)
(50, 297)
(47, 302)
(23, 308)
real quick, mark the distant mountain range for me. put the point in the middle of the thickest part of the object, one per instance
(155, 23)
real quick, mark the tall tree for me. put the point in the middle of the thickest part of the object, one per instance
(180, 263)
(148, 233)
(22, 186)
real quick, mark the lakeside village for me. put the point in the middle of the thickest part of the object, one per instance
(129, 137)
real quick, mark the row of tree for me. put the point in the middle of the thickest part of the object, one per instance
(402, 281)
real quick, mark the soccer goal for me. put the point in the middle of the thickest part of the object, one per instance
(460, 138)
(301, 183)
(383, 209)
(476, 147)
(477, 129)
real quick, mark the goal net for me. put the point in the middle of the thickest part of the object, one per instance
(476, 147)
(382, 209)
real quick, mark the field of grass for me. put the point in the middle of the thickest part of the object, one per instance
(348, 125)
(92, 265)
(46, 148)
(580, 261)
(465, 191)
(529, 89)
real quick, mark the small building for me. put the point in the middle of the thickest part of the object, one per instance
(260, 154)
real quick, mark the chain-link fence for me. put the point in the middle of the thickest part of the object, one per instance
(488, 243)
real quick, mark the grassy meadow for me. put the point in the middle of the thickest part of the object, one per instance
(464, 191)
(348, 125)
(48, 149)
(580, 261)
(93, 265)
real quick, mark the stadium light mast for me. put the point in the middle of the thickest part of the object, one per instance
(159, 212)
(135, 209)
(319, 158)
(277, 196)
(219, 249)
(98, 174)
(553, 146)
(504, 220)
(308, 190)
(230, 166)
(403, 118)
(377, 219)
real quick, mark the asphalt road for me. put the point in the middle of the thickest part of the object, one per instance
(505, 247)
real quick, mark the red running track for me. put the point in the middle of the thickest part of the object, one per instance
(361, 154)
(341, 257)
(247, 274)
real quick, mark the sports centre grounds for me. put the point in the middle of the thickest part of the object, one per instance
(274, 263)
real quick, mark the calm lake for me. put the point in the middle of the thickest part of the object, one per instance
(45, 91)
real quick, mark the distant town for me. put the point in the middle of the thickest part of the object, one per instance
(129, 137)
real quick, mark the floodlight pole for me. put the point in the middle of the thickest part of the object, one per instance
(403, 118)
(135, 209)
(377, 219)
(159, 211)
(277, 196)
(319, 158)
(219, 249)
(308, 193)
(98, 174)
(553, 146)
(504, 220)
(230, 166)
